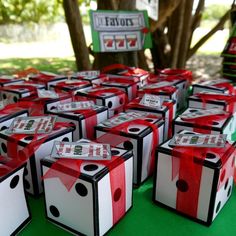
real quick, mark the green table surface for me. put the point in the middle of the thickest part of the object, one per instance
(145, 218)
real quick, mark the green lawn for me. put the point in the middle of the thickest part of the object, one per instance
(59, 65)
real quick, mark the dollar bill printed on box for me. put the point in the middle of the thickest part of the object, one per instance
(117, 31)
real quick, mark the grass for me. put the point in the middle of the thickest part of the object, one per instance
(56, 65)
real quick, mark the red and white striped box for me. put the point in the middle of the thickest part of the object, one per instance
(6, 80)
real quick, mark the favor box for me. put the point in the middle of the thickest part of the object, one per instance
(92, 79)
(47, 78)
(112, 98)
(32, 176)
(12, 93)
(128, 86)
(99, 198)
(142, 137)
(167, 111)
(163, 89)
(6, 80)
(71, 86)
(14, 215)
(199, 195)
(83, 120)
(214, 86)
(222, 126)
(45, 104)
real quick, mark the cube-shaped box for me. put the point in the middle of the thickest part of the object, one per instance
(199, 192)
(43, 105)
(218, 126)
(14, 214)
(83, 118)
(12, 93)
(128, 86)
(214, 86)
(6, 80)
(163, 89)
(92, 79)
(99, 198)
(32, 177)
(112, 98)
(8, 114)
(135, 131)
(47, 78)
(71, 86)
(167, 111)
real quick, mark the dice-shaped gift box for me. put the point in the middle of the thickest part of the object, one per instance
(128, 86)
(92, 79)
(141, 137)
(219, 126)
(42, 105)
(32, 177)
(163, 89)
(167, 111)
(71, 86)
(198, 194)
(47, 78)
(214, 86)
(6, 80)
(12, 93)
(14, 214)
(83, 120)
(99, 198)
(8, 114)
(112, 98)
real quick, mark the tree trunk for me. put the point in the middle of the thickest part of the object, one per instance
(75, 26)
(103, 59)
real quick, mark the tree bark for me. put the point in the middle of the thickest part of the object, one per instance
(217, 27)
(74, 22)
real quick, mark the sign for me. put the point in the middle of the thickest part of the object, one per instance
(81, 151)
(150, 100)
(74, 106)
(150, 5)
(47, 94)
(199, 140)
(119, 31)
(32, 125)
(88, 73)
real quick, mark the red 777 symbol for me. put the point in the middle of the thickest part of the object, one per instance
(132, 42)
(121, 42)
(108, 42)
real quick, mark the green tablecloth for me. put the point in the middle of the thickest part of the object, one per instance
(145, 218)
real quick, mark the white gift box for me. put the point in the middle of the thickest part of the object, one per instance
(223, 126)
(112, 98)
(47, 78)
(32, 177)
(90, 206)
(136, 137)
(176, 192)
(167, 111)
(14, 214)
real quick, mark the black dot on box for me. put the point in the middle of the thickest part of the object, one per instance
(81, 189)
(149, 120)
(117, 194)
(109, 104)
(4, 96)
(182, 185)
(54, 211)
(65, 139)
(115, 152)
(15, 99)
(3, 127)
(215, 123)
(128, 145)
(52, 108)
(229, 191)
(193, 110)
(26, 172)
(26, 184)
(210, 155)
(90, 167)
(218, 206)
(4, 147)
(29, 138)
(121, 100)
(226, 183)
(134, 129)
(116, 112)
(14, 181)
